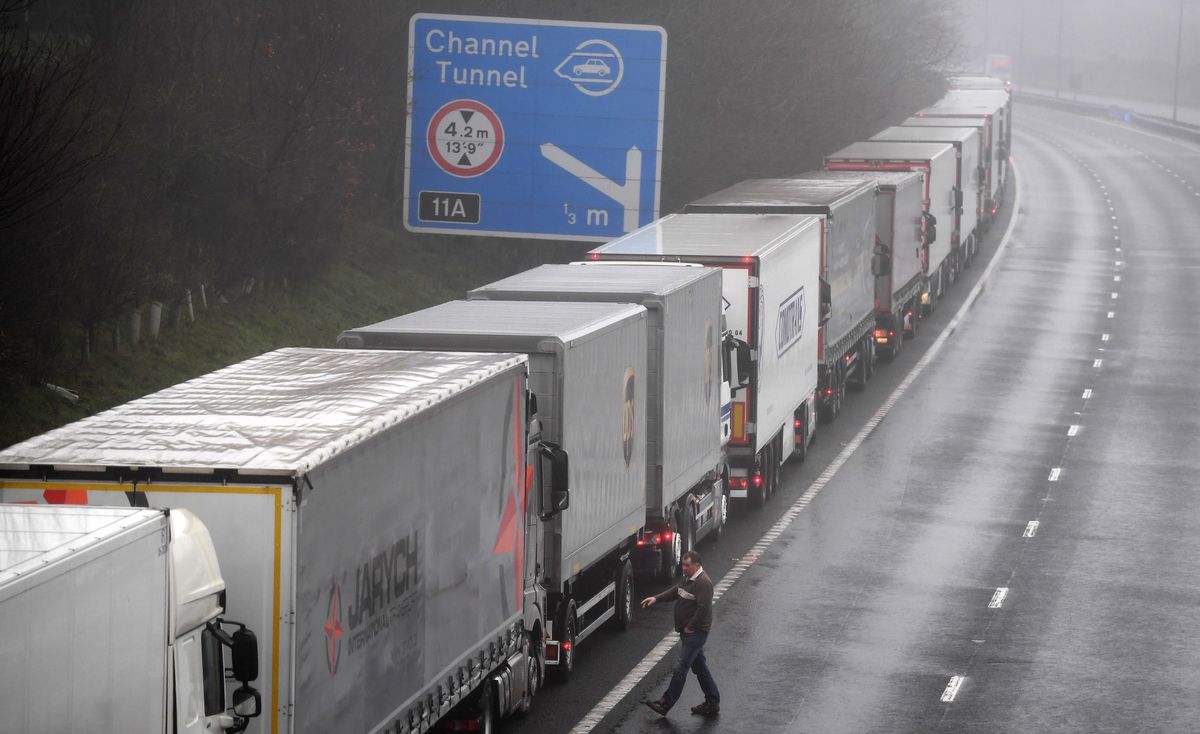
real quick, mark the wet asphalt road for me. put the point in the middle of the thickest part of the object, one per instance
(1047, 450)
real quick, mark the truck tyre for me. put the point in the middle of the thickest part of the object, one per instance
(566, 657)
(758, 495)
(624, 615)
(722, 510)
(669, 563)
(801, 450)
(533, 672)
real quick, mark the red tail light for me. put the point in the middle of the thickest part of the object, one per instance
(758, 480)
(595, 255)
(566, 646)
(797, 423)
(747, 259)
(667, 535)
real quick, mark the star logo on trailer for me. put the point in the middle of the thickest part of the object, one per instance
(333, 628)
(465, 138)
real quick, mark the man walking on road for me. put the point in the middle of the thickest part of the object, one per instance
(693, 620)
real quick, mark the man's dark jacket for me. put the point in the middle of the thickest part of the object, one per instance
(693, 605)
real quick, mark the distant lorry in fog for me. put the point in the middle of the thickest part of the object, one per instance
(899, 204)
(688, 396)
(771, 284)
(936, 161)
(377, 515)
(845, 347)
(111, 620)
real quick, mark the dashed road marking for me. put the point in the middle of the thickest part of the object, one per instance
(1087, 394)
(1112, 314)
(1104, 337)
(952, 687)
(1055, 473)
(1073, 430)
(998, 597)
(1098, 363)
(1031, 529)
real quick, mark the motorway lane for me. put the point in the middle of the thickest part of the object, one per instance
(607, 657)
(878, 593)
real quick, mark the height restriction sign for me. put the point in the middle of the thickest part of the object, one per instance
(533, 128)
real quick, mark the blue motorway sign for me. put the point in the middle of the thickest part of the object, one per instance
(533, 128)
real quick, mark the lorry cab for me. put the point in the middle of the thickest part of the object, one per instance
(122, 610)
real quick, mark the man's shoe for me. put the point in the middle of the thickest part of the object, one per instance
(708, 708)
(657, 707)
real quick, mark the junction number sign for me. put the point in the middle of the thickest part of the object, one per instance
(533, 128)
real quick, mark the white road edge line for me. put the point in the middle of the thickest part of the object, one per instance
(656, 655)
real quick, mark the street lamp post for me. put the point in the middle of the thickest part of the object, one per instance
(1058, 67)
(1178, 57)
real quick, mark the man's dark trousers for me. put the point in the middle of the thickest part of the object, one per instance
(691, 657)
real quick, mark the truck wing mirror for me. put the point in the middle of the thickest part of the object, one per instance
(245, 655)
(247, 702)
(881, 265)
(556, 478)
(744, 363)
(826, 301)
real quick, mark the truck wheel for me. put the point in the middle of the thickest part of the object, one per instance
(566, 643)
(670, 561)
(801, 450)
(722, 510)
(533, 672)
(758, 495)
(624, 615)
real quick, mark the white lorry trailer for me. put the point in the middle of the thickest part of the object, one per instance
(845, 345)
(898, 208)
(688, 399)
(377, 513)
(969, 183)
(771, 280)
(936, 161)
(994, 108)
(981, 126)
(587, 364)
(110, 621)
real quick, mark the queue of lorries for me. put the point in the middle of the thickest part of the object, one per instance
(416, 530)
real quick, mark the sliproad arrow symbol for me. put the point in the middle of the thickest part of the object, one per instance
(628, 194)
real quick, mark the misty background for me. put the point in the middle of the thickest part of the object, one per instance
(249, 156)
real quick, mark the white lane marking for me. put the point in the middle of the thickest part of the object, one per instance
(1098, 363)
(952, 687)
(1073, 430)
(1112, 314)
(1087, 394)
(660, 650)
(1116, 279)
(1115, 295)
(998, 597)
(1031, 529)
(1105, 337)
(1117, 263)
(1055, 473)
(1118, 249)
